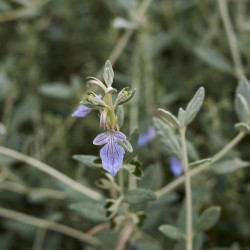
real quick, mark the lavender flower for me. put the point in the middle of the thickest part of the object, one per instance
(147, 137)
(112, 153)
(176, 167)
(81, 111)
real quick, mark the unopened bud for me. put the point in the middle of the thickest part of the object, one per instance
(124, 96)
(93, 101)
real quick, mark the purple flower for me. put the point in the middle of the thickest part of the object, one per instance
(112, 153)
(176, 167)
(147, 137)
(81, 111)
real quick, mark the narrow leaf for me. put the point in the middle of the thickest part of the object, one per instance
(92, 210)
(56, 90)
(139, 195)
(133, 139)
(86, 160)
(194, 105)
(169, 118)
(213, 58)
(241, 108)
(108, 74)
(172, 232)
(242, 127)
(230, 166)
(243, 88)
(208, 219)
(199, 162)
(170, 145)
(127, 146)
(120, 115)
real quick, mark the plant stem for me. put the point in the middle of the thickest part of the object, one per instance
(22, 189)
(121, 181)
(50, 171)
(39, 239)
(174, 184)
(232, 39)
(188, 190)
(124, 237)
(15, 14)
(45, 224)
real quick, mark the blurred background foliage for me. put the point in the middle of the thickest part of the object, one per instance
(170, 49)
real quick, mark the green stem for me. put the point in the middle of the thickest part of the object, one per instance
(188, 190)
(232, 39)
(49, 225)
(50, 171)
(174, 184)
(15, 14)
(121, 181)
(111, 112)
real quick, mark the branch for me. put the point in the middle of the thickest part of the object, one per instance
(45, 224)
(232, 39)
(21, 12)
(174, 184)
(50, 171)
(22, 189)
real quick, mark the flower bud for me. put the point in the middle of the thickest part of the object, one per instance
(124, 96)
(93, 101)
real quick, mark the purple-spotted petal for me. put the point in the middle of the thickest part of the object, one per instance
(102, 139)
(118, 136)
(81, 111)
(176, 167)
(147, 137)
(112, 157)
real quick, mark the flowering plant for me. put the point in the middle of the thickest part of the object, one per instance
(112, 153)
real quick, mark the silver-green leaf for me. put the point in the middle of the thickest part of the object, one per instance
(86, 160)
(120, 115)
(199, 162)
(241, 108)
(127, 146)
(242, 127)
(230, 166)
(169, 118)
(90, 209)
(139, 195)
(172, 232)
(108, 74)
(170, 144)
(194, 105)
(208, 219)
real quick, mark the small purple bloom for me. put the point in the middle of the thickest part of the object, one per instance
(81, 111)
(147, 137)
(112, 153)
(176, 167)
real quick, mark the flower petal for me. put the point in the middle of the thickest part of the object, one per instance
(102, 139)
(81, 111)
(119, 136)
(176, 167)
(112, 157)
(147, 137)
